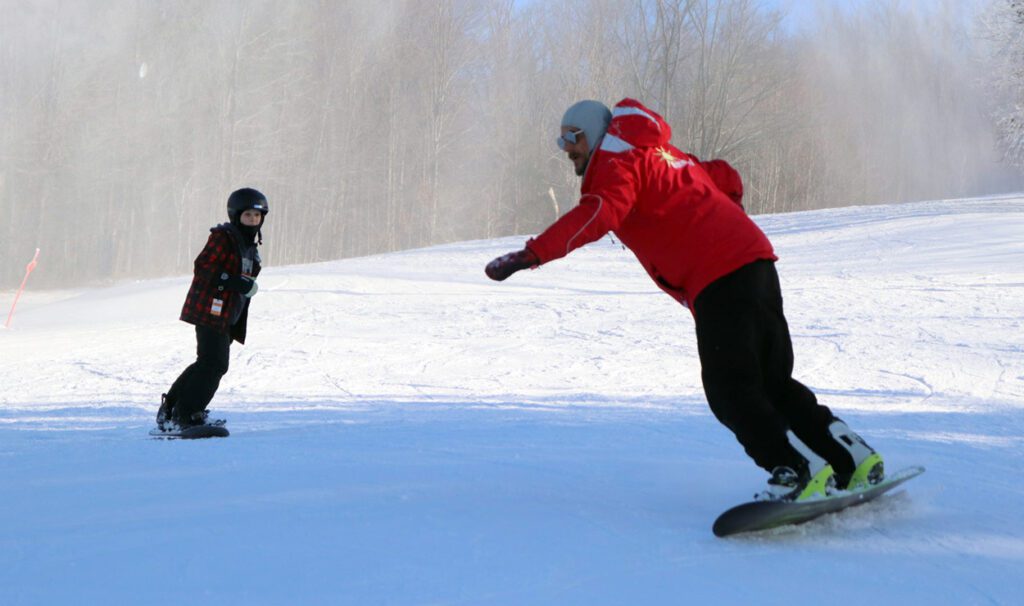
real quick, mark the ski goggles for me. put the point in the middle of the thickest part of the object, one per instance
(569, 138)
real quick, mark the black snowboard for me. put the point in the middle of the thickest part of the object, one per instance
(762, 515)
(193, 433)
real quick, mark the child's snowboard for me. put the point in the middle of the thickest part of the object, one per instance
(762, 515)
(192, 433)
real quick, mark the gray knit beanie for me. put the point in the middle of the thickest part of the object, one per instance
(592, 117)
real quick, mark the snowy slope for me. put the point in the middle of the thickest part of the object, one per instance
(407, 432)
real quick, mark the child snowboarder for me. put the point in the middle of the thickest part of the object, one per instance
(218, 305)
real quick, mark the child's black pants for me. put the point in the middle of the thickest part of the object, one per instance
(193, 390)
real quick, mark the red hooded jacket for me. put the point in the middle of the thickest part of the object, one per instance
(661, 203)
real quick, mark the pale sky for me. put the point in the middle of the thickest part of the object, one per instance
(800, 12)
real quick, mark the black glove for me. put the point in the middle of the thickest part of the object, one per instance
(506, 265)
(242, 284)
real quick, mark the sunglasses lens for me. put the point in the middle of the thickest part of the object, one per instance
(568, 138)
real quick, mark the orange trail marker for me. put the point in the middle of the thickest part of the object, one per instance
(28, 270)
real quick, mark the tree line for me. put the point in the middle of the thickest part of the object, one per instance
(374, 127)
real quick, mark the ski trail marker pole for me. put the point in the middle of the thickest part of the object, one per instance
(28, 269)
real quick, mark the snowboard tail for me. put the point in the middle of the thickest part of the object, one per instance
(763, 515)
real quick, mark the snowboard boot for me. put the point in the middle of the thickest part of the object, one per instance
(200, 418)
(868, 468)
(184, 422)
(163, 414)
(799, 483)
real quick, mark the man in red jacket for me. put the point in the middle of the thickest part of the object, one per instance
(684, 221)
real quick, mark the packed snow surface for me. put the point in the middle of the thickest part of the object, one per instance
(405, 431)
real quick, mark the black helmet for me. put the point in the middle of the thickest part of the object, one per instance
(246, 199)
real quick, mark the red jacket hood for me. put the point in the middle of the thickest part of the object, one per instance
(638, 126)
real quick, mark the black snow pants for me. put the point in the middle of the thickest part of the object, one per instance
(193, 390)
(746, 357)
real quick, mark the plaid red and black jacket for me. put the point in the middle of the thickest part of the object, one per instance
(210, 304)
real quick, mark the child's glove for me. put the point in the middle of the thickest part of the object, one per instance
(506, 265)
(243, 284)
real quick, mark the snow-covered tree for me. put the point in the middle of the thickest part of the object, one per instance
(1004, 26)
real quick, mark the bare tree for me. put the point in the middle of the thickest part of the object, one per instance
(657, 41)
(379, 126)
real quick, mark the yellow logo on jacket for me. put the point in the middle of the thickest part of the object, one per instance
(670, 159)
